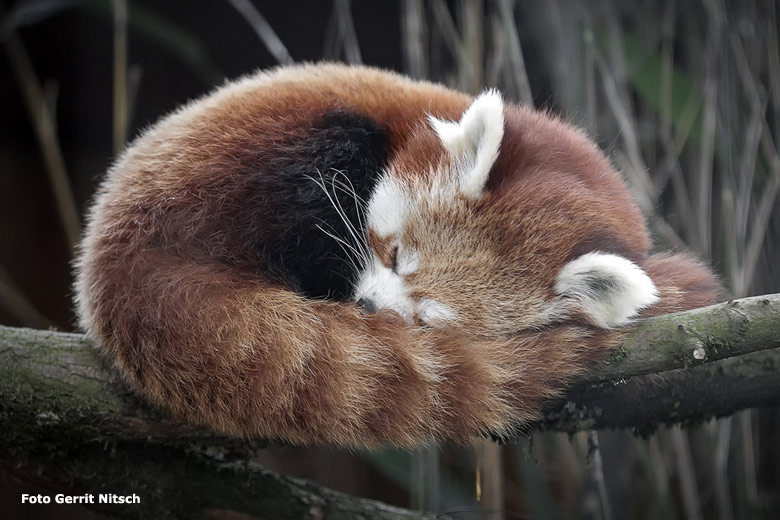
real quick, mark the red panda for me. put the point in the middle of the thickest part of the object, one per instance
(336, 254)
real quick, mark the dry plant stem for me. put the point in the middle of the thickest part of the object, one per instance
(730, 239)
(773, 56)
(45, 131)
(763, 215)
(671, 162)
(562, 65)
(597, 473)
(667, 233)
(665, 81)
(472, 18)
(638, 171)
(263, 30)
(120, 75)
(652, 456)
(682, 198)
(347, 31)
(770, 192)
(489, 477)
(673, 148)
(413, 38)
(451, 37)
(591, 89)
(746, 269)
(707, 149)
(15, 302)
(747, 171)
(426, 479)
(749, 459)
(706, 157)
(496, 59)
(617, 63)
(331, 42)
(528, 480)
(723, 444)
(688, 486)
(516, 61)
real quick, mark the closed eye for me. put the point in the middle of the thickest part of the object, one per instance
(394, 260)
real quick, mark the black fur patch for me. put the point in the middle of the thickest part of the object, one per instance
(601, 284)
(346, 153)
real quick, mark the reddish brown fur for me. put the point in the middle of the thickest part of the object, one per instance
(683, 281)
(165, 287)
(382, 247)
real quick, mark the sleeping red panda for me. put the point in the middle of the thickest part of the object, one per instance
(334, 254)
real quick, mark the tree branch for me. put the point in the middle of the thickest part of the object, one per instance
(59, 401)
(691, 338)
(680, 368)
(202, 481)
(677, 396)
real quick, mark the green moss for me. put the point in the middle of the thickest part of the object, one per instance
(618, 355)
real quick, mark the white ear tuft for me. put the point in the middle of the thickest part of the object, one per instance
(474, 141)
(611, 289)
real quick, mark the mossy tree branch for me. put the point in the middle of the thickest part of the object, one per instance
(695, 337)
(679, 368)
(61, 406)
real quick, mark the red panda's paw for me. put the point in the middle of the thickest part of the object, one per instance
(608, 288)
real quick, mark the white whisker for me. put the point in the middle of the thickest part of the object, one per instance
(354, 244)
(348, 249)
(360, 203)
(350, 227)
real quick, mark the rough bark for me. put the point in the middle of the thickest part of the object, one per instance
(67, 421)
(201, 482)
(680, 368)
(678, 396)
(62, 407)
(694, 337)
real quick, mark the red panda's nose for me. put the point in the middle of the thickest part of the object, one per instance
(367, 305)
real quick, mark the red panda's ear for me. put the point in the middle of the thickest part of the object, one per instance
(473, 141)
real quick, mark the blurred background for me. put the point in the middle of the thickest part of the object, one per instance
(683, 95)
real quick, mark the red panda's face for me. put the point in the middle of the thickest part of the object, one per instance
(439, 259)
(436, 254)
(444, 253)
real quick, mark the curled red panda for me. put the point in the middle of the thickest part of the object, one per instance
(337, 254)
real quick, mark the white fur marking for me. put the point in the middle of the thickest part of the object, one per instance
(474, 141)
(432, 312)
(384, 288)
(610, 288)
(388, 207)
(408, 261)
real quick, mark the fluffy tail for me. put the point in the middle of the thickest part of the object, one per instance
(234, 352)
(683, 282)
